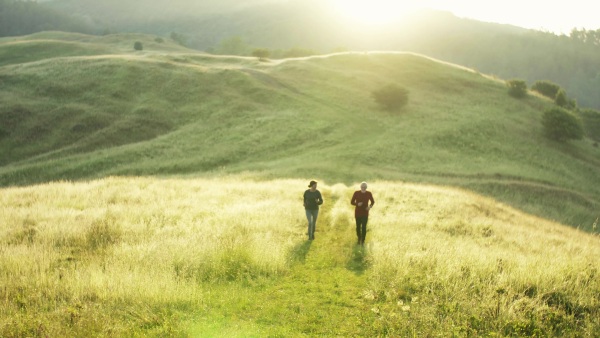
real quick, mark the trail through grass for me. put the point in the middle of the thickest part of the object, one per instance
(327, 276)
(229, 257)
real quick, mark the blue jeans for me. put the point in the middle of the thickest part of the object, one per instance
(311, 216)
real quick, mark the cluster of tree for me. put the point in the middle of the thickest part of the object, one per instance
(563, 122)
(27, 17)
(566, 121)
(591, 37)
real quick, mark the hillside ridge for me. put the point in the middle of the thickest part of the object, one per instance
(165, 112)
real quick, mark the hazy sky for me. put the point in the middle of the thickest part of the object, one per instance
(536, 14)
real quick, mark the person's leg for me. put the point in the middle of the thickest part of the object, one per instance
(315, 215)
(309, 217)
(358, 234)
(364, 228)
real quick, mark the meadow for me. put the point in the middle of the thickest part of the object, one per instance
(158, 193)
(228, 256)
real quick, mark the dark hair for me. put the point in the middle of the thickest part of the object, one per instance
(312, 183)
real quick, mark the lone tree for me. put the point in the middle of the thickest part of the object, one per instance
(138, 46)
(517, 88)
(391, 97)
(562, 125)
(546, 88)
(261, 53)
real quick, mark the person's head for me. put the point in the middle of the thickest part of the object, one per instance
(363, 186)
(312, 185)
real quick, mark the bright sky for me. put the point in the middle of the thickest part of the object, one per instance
(535, 14)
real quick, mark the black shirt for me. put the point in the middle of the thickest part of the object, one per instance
(312, 200)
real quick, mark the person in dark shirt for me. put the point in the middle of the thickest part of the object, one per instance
(312, 200)
(361, 199)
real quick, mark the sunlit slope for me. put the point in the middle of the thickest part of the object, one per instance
(228, 257)
(163, 111)
(40, 46)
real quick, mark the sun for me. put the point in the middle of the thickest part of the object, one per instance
(374, 11)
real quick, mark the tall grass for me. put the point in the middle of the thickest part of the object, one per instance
(71, 250)
(449, 261)
(229, 256)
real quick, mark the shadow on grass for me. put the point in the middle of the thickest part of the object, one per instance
(358, 263)
(299, 252)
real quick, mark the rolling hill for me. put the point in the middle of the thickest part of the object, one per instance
(504, 50)
(157, 193)
(79, 107)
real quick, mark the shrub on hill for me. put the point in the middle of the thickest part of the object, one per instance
(563, 101)
(391, 97)
(546, 88)
(138, 45)
(591, 123)
(562, 125)
(517, 88)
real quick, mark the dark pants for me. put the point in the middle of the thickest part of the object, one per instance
(361, 228)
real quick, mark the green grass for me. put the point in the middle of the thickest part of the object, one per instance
(229, 257)
(168, 111)
(157, 193)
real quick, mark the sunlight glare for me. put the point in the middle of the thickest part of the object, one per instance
(374, 11)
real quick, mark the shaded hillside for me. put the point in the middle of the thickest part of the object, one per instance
(164, 111)
(19, 17)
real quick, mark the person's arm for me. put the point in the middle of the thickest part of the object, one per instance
(372, 200)
(304, 199)
(320, 201)
(353, 200)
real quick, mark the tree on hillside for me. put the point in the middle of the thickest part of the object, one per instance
(591, 123)
(546, 88)
(261, 53)
(561, 98)
(589, 37)
(391, 97)
(563, 101)
(138, 45)
(562, 125)
(517, 88)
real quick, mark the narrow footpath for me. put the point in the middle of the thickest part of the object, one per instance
(323, 292)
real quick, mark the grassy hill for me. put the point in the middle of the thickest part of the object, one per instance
(157, 193)
(80, 107)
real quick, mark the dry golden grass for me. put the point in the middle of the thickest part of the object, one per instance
(119, 254)
(452, 260)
